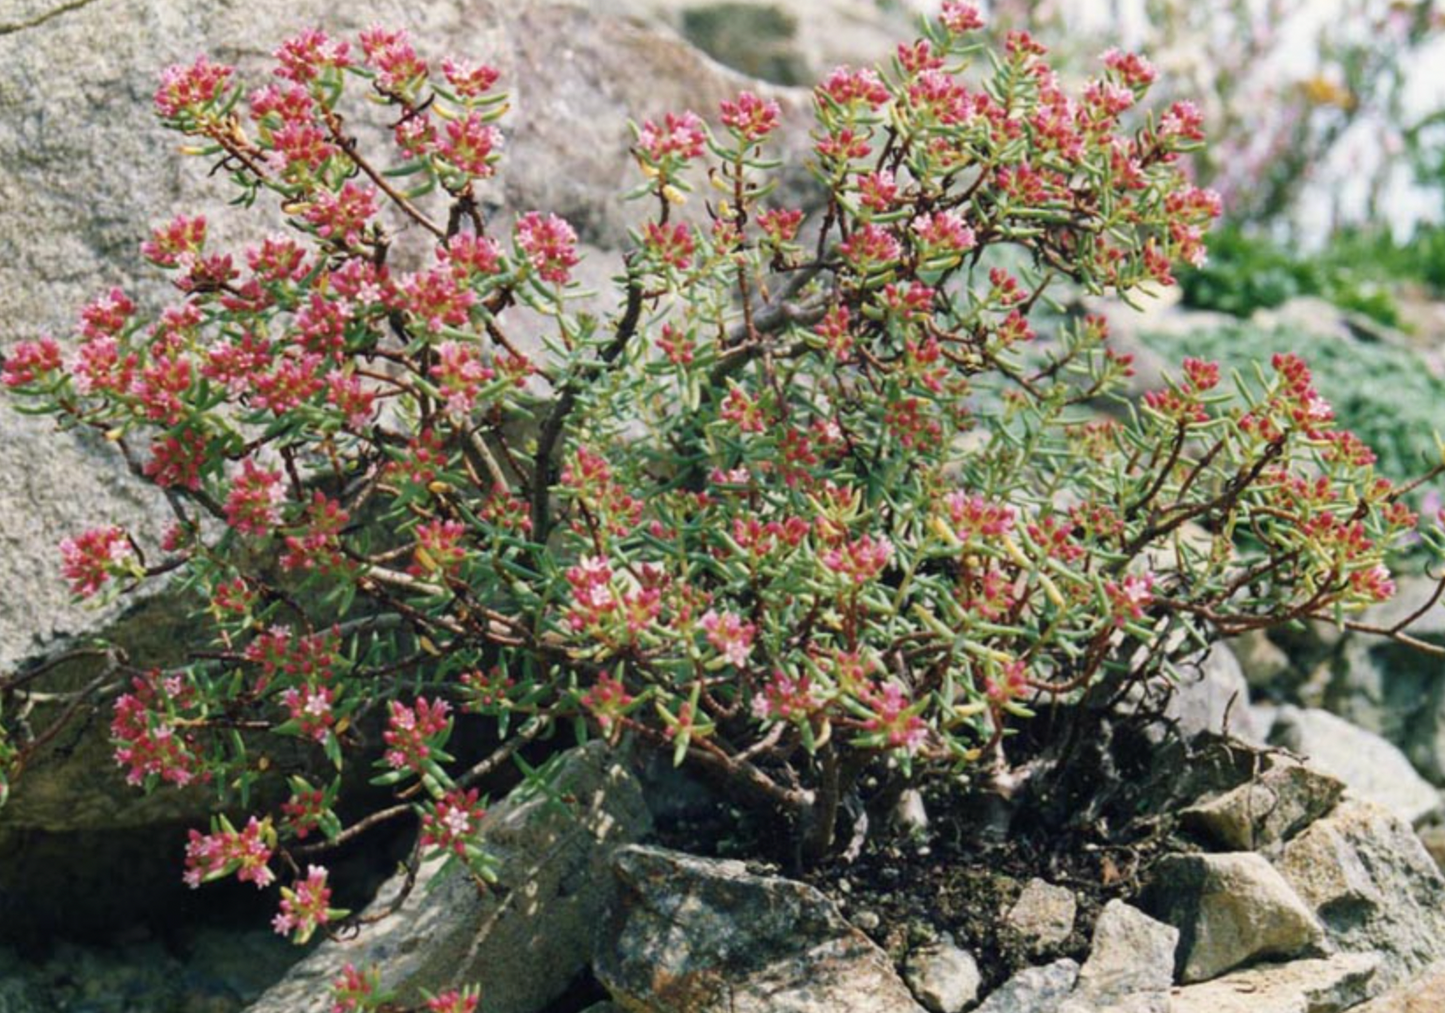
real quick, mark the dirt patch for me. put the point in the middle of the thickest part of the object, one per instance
(1093, 819)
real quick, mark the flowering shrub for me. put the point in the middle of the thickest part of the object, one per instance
(817, 501)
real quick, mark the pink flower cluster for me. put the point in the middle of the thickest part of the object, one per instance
(461, 374)
(730, 635)
(750, 117)
(412, 733)
(607, 701)
(245, 852)
(451, 822)
(253, 506)
(304, 906)
(89, 560)
(860, 559)
(31, 362)
(895, 717)
(147, 740)
(550, 246)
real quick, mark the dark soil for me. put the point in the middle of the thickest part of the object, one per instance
(1093, 819)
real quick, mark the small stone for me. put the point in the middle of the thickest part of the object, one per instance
(1330, 985)
(868, 921)
(910, 816)
(1229, 909)
(944, 977)
(1043, 916)
(1283, 800)
(1131, 953)
(1372, 767)
(1034, 989)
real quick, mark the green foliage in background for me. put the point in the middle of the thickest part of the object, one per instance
(1247, 273)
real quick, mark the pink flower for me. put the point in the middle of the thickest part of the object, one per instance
(177, 461)
(461, 375)
(871, 248)
(355, 991)
(960, 18)
(412, 733)
(451, 822)
(469, 82)
(438, 299)
(893, 717)
(346, 394)
(592, 594)
(607, 700)
(109, 315)
(254, 504)
(470, 255)
(147, 741)
(672, 245)
(91, 559)
(784, 698)
(1129, 597)
(343, 216)
(846, 87)
(310, 707)
(278, 259)
(452, 1001)
(304, 56)
(1010, 684)
(780, 225)
(30, 361)
(304, 906)
(861, 559)
(743, 411)
(679, 138)
(975, 517)
(439, 547)
(750, 117)
(1135, 71)
(186, 92)
(390, 53)
(225, 851)
(471, 145)
(730, 635)
(317, 543)
(943, 231)
(181, 238)
(550, 246)
(1373, 584)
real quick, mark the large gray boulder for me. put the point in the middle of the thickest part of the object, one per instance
(695, 935)
(1372, 885)
(1229, 909)
(525, 940)
(1370, 765)
(1325, 985)
(86, 171)
(1285, 798)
